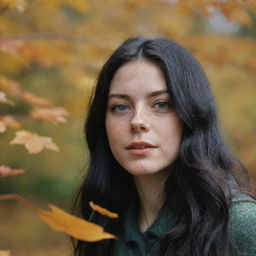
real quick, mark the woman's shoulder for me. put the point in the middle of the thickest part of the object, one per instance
(243, 223)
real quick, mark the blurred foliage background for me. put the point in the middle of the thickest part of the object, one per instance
(51, 52)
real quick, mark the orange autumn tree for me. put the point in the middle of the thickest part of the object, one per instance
(76, 36)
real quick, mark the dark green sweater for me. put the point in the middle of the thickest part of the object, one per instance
(242, 228)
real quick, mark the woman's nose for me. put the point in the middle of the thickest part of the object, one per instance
(139, 122)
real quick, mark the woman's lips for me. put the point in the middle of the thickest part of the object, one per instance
(140, 151)
(140, 148)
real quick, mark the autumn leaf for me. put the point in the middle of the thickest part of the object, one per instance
(7, 171)
(5, 253)
(59, 220)
(3, 99)
(35, 100)
(56, 115)
(74, 226)
(10, 86)
(8, 121)
(33, 142)
(102, 210)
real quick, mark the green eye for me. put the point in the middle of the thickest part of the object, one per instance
(120, 107)
(162, 105)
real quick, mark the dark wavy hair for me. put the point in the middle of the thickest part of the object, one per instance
(203, 178)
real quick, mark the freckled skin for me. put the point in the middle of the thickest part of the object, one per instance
(142, 118)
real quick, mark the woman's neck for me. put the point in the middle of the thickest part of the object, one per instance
(151, 192)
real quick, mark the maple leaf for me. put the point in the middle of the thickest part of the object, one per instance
(60, 220)
(5, 253)
(102, 210)
(7, 171)
(4, 100)
(33, 142)
(56, 115)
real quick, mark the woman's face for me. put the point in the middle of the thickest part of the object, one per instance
(143, 129)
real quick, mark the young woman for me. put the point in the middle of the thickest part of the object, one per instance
(158, 159)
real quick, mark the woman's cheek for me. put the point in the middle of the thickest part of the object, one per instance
(115, 131)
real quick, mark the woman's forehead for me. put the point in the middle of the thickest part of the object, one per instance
(138, 76)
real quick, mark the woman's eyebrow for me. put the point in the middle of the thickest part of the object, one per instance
(125, 96)
(156, 93)
(118, 95)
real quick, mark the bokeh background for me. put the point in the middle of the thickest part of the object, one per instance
(51, 52)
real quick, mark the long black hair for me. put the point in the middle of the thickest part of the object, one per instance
(202, 179)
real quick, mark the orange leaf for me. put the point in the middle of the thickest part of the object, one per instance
(33, 142)
(4, 100)
(5, 253)
(7, 171)
(74, 226)
(102, 210)
(35, 100)
(56, 115)
(10, 86)
(59, 220)
(9, 121)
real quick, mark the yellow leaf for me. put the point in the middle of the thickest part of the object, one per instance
(33, 142)
(76, 227)
(102, 210)
(7, 171)
(59, 220)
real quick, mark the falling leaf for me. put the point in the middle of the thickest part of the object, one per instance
(33, 142)
(102, 210)
(35, 100)
(59, 220)
(74, 226)
(7, 171)
(5, 253)
(4, 100)
(56, 115)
